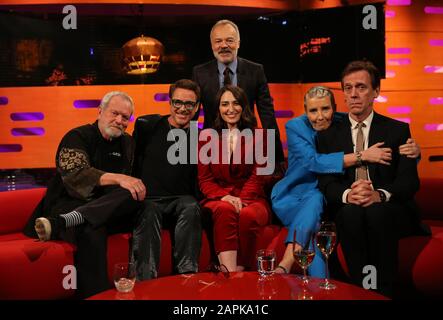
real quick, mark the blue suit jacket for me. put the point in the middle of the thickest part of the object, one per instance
(304, 163)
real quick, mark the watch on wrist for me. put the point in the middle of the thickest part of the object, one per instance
(382, 196)
(359, 160)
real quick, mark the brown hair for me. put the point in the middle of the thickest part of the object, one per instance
(247, 120)
(365, 65)
(185, 84)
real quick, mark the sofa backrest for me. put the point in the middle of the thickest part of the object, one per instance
(16, 207)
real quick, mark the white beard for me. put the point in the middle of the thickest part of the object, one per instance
(113, 132)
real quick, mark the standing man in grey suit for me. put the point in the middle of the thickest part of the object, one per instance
(227, 68)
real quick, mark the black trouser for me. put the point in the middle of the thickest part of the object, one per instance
(182, 215)
(369, 236)
(115, 211)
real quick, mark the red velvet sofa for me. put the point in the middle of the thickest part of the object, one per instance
(30, 269)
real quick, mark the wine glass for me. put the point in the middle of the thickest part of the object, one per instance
(304, 250)
(325, 239)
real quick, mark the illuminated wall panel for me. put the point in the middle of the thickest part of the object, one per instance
(60, 114)
(415, 90)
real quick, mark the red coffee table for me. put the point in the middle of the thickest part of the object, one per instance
(237, 286)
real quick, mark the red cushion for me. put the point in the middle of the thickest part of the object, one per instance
(17, 206)
(118, 251)
(428, 199)
(420, 261)
(267, 235)
(12, 236)
(30, 269)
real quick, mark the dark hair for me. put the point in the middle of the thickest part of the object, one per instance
(185, 84)
(320, 92)
(247, 119)
(365, 65)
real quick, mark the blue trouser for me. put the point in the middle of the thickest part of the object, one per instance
(303, 214)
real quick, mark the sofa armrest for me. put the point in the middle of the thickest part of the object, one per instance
(17, 207)
(429, 199)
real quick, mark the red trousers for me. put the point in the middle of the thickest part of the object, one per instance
(238, 231)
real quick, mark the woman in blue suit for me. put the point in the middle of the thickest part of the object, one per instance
(296, 199)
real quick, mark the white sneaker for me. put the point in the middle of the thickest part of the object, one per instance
(43, 229)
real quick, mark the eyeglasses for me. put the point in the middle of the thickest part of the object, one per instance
(189, 105)
(219, 268)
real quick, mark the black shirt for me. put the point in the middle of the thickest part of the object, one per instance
(160, 177)
(110, 155)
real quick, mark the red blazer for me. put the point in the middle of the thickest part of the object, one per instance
(217, 180)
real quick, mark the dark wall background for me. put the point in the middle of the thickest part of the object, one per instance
(33, 44)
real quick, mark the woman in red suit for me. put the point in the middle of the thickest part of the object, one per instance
(232, 189)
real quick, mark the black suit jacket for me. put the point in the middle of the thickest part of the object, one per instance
(251, 78)
(400, 178)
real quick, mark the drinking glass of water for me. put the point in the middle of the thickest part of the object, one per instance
(265, 262)
(326, 238)
(124, 276)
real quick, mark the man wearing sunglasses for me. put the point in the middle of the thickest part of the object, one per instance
(171, 187)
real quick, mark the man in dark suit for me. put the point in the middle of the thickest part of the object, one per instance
(227, 68)
(372, 203)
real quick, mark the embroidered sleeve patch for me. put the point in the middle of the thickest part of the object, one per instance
(72, 159)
